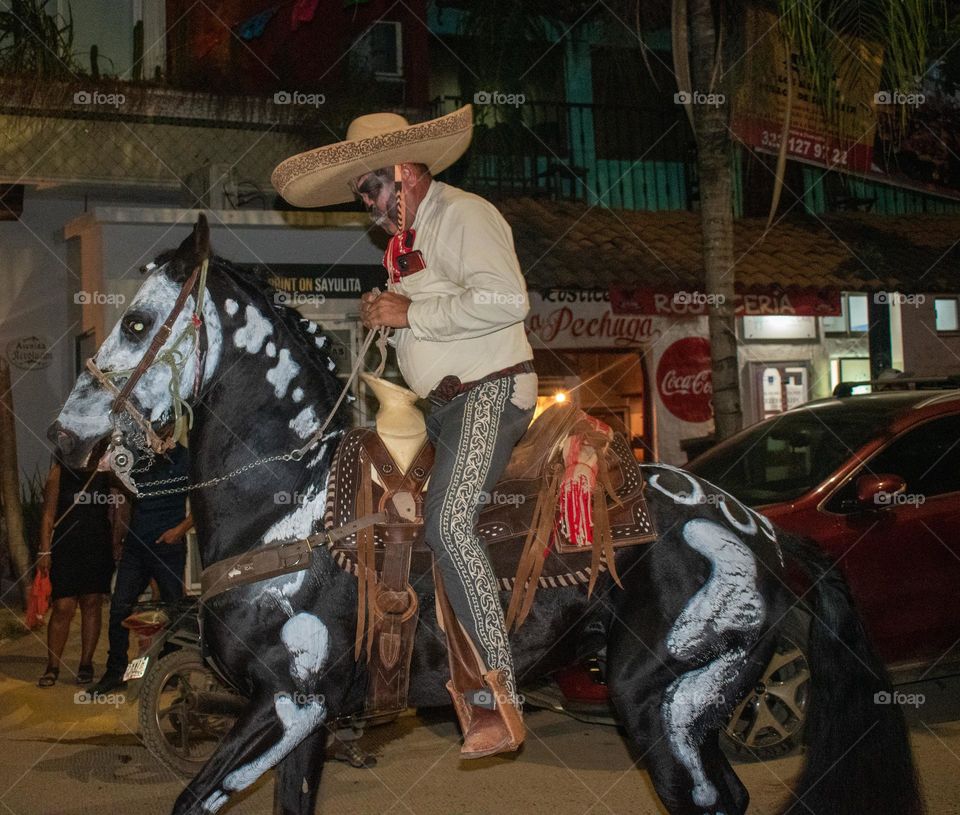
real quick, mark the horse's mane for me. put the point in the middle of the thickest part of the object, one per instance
(254, 282)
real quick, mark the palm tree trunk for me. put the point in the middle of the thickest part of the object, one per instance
(714, 154)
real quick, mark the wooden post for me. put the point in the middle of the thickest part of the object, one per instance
(10, 487)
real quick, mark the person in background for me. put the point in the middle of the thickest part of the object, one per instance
(154, 548)
(77, 529)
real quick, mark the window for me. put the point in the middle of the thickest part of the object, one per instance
(853, 317)
(379, 50)
(927, 458)
(947, 318)
(783, 328)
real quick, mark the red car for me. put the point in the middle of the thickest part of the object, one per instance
(875, 481)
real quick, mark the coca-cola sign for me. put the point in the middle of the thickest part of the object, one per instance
(684, 381)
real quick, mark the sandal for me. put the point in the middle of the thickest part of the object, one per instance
(84, 674)
(49, 677)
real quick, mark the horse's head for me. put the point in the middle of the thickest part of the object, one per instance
(162, 363)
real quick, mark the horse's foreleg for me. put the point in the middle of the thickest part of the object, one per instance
(267, 731)
(298, 776)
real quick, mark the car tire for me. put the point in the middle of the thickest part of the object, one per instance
(769, 721)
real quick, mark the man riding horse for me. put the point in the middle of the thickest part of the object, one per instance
(456, 301)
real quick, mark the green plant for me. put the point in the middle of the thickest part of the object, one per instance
(35, 42)
(31, 498)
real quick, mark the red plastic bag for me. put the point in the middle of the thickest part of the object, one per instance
(39, 599)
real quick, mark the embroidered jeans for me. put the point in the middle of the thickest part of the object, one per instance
(474, 435)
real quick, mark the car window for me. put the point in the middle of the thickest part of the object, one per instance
(785, 457)
(926, 457)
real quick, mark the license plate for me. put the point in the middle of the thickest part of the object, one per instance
(136, 669)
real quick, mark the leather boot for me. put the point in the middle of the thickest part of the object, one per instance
(486, 730)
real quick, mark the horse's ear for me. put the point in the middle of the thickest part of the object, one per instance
(201, 238)
(194, 249)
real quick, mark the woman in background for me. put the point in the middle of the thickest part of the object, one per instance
(77, 550)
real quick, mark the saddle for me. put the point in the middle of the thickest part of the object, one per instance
(516, 524)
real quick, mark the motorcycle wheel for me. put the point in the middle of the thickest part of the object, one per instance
(178, 725)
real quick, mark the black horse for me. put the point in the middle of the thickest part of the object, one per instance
(687, 636)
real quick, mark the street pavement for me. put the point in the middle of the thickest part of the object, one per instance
(61, 757)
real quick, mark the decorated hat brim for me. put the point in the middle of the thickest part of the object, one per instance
(321, 177)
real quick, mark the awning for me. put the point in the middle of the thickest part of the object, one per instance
(572, 245)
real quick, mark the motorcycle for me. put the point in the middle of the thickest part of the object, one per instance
(185, 706)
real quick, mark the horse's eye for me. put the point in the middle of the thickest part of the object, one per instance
(135, 325)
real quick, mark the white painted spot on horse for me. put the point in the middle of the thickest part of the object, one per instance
(297, 395)
(748, 527)
(298, 722)
(331, 365)
(214, 801)
(311, 326)
(305, 422)
(251, 335)
(230, 306)
(283, 373)
(320, 342)
(303, 520)
(728, 601)
(694, 496)
(271, 350)
(308, 642)
(689, 700)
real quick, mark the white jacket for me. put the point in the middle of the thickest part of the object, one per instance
(468, 304)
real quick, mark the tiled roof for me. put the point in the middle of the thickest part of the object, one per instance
(569, 245)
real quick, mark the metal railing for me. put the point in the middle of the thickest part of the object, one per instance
(617, 156)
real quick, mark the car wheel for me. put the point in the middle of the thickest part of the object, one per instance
(769, 721)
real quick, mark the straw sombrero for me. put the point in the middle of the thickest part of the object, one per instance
(322, 176)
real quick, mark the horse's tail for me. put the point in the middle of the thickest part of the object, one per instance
(858, 756)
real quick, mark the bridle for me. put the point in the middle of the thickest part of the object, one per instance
(120, 458)
(118, 455)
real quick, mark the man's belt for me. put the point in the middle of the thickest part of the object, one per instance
(450, 387)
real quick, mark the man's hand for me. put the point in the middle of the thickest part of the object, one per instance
(174, 535)
(387, 309)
